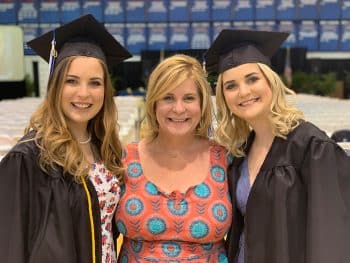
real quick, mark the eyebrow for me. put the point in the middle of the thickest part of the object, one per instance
(186, 94)
(246, 76)
(77, 77)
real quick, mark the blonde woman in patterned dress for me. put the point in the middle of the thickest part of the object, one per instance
(175, 206)
(61, 182)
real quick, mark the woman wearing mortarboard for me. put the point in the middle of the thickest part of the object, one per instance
(289, 183)
(60, 184)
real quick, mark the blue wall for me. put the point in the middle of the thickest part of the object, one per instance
(184, 24)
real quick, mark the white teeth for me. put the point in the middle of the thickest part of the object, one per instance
(248, 102)
(81, 105)
(182, 120)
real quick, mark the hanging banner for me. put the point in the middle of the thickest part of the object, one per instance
(8, 12)
(329, 35)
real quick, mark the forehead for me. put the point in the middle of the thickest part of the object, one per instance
(82, 63)
(186, 86)
(240, 71)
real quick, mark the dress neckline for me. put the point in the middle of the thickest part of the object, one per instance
(177, 194)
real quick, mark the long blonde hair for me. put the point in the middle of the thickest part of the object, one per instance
(56, 143)
(232, 131)
(168, 74)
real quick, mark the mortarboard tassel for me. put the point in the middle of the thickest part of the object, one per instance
(53, 54)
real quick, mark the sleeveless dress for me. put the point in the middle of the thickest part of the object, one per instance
(175, 227)
(108, 191)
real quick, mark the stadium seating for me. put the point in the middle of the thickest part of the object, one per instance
(330, 114)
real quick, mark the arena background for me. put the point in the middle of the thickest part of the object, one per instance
(316, 52)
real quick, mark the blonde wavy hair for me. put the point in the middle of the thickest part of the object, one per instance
(55, 141)
(169, 74)
(232, 131)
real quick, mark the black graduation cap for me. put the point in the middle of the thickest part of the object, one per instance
(234, 47)
(84, 36)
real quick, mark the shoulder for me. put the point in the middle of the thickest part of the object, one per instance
(307, 139)
(26, 146)
(307, 133)
(216, 146)
(220, 152)
(130, 151)
(131, 146)
(308, 130)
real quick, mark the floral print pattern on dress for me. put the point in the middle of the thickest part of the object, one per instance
(108, 192)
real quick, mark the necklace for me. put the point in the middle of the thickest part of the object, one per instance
(86, 141)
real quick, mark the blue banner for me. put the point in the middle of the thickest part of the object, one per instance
(244, 10)
(222, 10)
(136, 39)
(308, 35)
(200, 10)
(70, 10)
(265, 25)
(157, 36)
(179, 36)
(345, 36)
(135, 11)
(179, 11)
(265, 10)
(247, 25)
(345, 10)
(118, 32)
(8, 12)
(49, 11)
(30, 31)
(286, 9)
(114, 11)
(291, 28)
(93, 7)
(329, 9)
(200, 36)
(218, 27)
(157, 10)
(28, 11)
(307, 9)
(329, 35)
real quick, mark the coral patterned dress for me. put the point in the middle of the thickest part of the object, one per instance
(176, 227)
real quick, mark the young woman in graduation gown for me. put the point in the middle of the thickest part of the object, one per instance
(289, 182)
(60, 184)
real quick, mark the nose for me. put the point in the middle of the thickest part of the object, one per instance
(83, 90)
(243, 90)
(179, 106)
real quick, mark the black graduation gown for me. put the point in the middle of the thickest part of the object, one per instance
(44, 217)
(298, 210)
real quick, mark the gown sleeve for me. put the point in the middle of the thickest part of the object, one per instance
(326, 171)
(15, 170)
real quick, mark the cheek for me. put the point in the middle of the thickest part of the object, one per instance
(229, 99)
(100, 96)
(162, 108)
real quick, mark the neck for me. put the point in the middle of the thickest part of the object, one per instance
(175, 143)
(174, 147)
(81, 136)
(263, 135)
